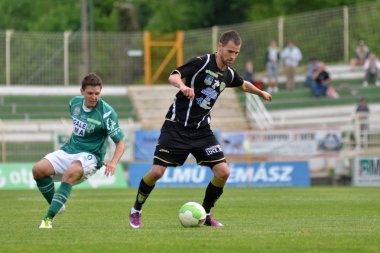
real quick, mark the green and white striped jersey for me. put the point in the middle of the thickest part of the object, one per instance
(92, 128)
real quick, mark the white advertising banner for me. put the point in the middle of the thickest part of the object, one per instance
(367, 171)
(282, 142)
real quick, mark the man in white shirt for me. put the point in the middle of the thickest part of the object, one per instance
(292, 56)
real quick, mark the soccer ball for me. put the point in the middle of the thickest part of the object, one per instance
(192, 214)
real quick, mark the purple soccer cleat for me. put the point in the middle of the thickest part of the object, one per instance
(135, 219)
(210, 221)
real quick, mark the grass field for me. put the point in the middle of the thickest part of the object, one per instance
(316, 219)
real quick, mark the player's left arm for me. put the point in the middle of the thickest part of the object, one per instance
(117, 135)
(250, 88)
(119, 151)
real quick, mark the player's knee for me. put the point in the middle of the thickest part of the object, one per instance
(71, 177)
(38, 171)
(157, 172)
(155, 175)
(224, 174)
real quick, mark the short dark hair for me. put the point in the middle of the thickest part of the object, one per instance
(230, 36)
(91, 79)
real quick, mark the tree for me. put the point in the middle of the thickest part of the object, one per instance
(154, 15)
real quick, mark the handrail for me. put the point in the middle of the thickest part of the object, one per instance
(256, 112)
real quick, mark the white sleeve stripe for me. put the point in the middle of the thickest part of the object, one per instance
(232, 73)
(192, 86)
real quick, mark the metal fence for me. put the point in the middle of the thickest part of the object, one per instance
(31, 58)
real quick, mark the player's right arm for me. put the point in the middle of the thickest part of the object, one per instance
(187, 70)
(176, 81)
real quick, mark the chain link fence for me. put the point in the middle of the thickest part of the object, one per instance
(31, 58)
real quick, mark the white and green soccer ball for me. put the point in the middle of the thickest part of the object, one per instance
(192, 214)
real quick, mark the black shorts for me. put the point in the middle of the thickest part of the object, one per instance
(176, 142)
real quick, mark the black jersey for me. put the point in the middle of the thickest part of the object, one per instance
(208, 81)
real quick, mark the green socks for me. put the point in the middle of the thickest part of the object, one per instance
(46, 187)
(59, 199)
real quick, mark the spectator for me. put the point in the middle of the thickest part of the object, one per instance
(272, 58)
(362, 106)
(312, 66)
(249, 72)
(372, 70)
(361, 55)
(249, 75)
(321, 86)
(362, 116)
(291, 56)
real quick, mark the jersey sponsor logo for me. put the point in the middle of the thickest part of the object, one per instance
(94, 121)
(110, 124)
(90, 128)
(208, 80)
(205, 102)
(213, 149)
(106, 114)
(211, 73)
(79, 127)
(76, 111)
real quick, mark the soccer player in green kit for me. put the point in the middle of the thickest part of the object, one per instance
(78, 159)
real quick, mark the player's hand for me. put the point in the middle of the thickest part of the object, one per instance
(266, 95)
(188, 92)
(110, 169)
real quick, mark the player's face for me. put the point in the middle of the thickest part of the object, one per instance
(91, 95)
(228, 53)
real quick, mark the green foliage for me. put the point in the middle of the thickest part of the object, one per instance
(40, 15)
(153, 15)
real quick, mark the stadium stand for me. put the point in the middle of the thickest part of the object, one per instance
(53, 107)
(340, 115)
(337, 72)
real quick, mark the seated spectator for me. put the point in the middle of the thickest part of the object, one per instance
(312, 66)
(321, 86)
(321, 81)
(249, 72)
(249, 75)
(361, 55)
(372, 70)
(272, 59)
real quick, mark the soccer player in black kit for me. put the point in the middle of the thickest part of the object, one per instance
(187, 125)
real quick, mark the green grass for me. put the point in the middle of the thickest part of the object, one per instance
(265, 220)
